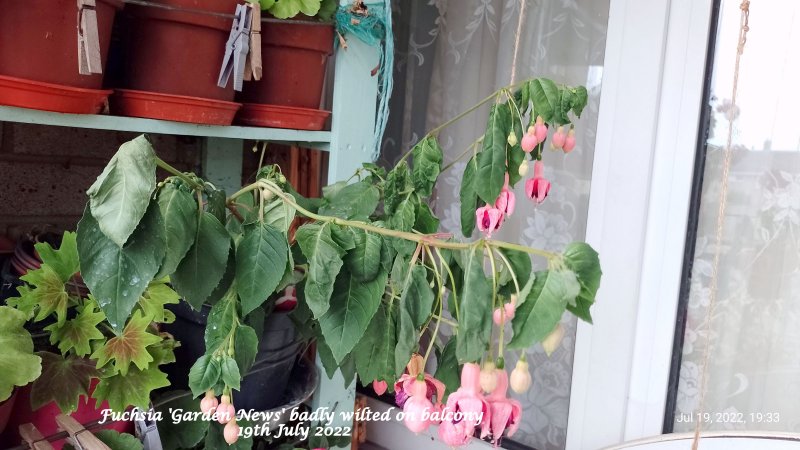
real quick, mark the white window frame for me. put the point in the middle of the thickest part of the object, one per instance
(650, 105)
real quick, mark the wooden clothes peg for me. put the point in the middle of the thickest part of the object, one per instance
(89, 61)
(253, 68)
(79, 436)
(31, 436)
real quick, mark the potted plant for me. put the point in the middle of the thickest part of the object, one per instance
(94, 361)
(298, 45)
(40, 69)
(377, 273)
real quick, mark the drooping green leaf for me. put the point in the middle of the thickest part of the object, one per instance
(119, 441)
(229, 372)
(128, 347)
(204, 374)
(18, 365)
(183, 434)
(260, 262)
(63, 261)
(564, 106)
(63, 380)
(343, 236)
(179, 211)
(118, 276)
(542, 310)
(364, 260)
(203, 267)
(78, 333)
(475, 311)
(545, 96)
(215, 202)
(155, 297)
(414, 308)
(326, 357)
(520, 265)
(279, 214)
(582, 259)
(427, 165)
(492, 160)
(324, 262)
(132, 389)
(468, 197)
(448, 371)
(119, 197)
(327, 9)
(227, 279)
(352, 306)
(163, 352)
(405, 214)
(245, 345)
(579, 100)
(221, 319)
(374, 354)
(397, 181)
(47, 293)
(425, 222)
(355, 201)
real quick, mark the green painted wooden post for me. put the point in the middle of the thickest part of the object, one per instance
(222, 163)
(355, 96)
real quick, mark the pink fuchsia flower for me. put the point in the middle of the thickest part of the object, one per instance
(231, 432)
(540, 129)
(505, 201)
(529, 140)
(209, 403)
(489, 219)
(537, 187)
(569, 142)
(379, 386)
(506, 413)
(403, 386)
(287, 301)
(559, 138)
(418, 409)
(225, 411)
(466, 409)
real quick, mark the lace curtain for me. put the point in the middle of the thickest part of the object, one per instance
(754, 360)
(450, 55)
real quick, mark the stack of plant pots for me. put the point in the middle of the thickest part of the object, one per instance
(39, 56)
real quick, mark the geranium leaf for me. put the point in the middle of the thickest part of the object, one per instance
(119, 441)
(492, 159)
(204, 374)
(543, 308)
(415, 306)
(204, 265)
(129, 347)
(352, 306)
(468, 197)
(185, 433)
(131, 389)
(261, 258)
(427, 165)
(18, 365)
(78, 333)
(582, 259)
(475, 313)
(119, 197)
(309, 7)
(374, 354)
(116, 276)
(179, 211)
(63, 261)
(47, 293)
(324, 263)
(163, 352)
(153, 299)
(364, 260)
(285, 9)
(63, 380)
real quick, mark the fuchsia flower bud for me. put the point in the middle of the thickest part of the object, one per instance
(474, 410)
(521, 377)
(559, 138)
(537, 187)
(505, 201)
(418, 408)
(506, 413)
(225, 411)
(529, 141)
(501, 316)
(488, 380)
(209, 403)
(379, 387)
(540, 129)
(523, 168)
(231, 432)
(569, 143)
(489, 219)
(512, 138)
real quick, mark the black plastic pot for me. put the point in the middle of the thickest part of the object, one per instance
(263, 386)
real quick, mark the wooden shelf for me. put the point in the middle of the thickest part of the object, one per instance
(313, 139)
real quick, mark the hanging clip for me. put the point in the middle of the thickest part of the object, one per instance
(31, 436)
(79, 437)
(147, 431)
(254, 69)
(88, 39)
(236, 49)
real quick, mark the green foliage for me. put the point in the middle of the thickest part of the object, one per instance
(427, 165)
(286, 9)
(131, 389)
(63, 380)
(551, 292)
(448, 370)
(179, 210)
(469, 197)
(415, 306)
(374, 354)
(584, 261)
(18, 365)
(128, 347)
(475, 315)
(492, 160)
(119, 441)
(324, 262)
(78, 333)
(204, 265)
(186, 433)
(261, 257)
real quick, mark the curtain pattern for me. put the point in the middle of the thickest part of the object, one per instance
(450, 55)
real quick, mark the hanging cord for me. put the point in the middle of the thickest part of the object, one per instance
(516, 41)
(723, 199)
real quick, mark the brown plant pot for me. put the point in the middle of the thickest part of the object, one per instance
(294, 55)
(178, 52)
(40, 40)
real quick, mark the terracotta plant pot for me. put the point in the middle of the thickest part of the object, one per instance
(44, 418)
(178, 52)
(294, 55)
(40, 45)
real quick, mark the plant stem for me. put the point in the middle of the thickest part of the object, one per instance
(452, 282)
(464, 153)
(513, 275)
(445, 320)
(164, 165)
